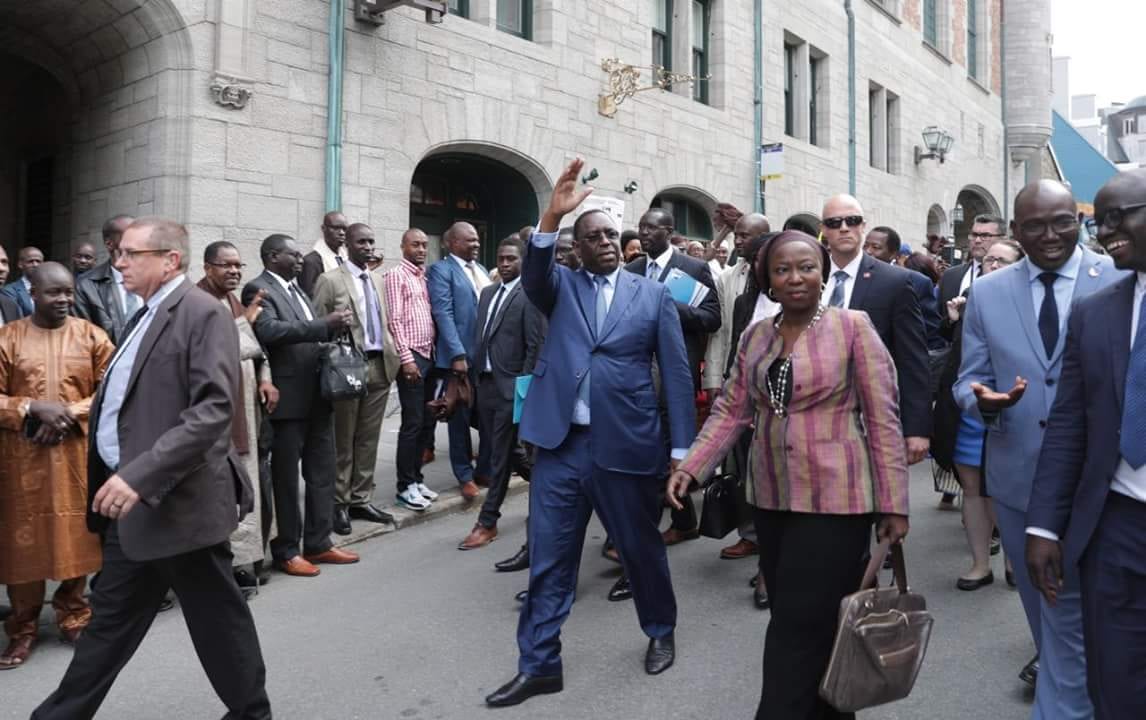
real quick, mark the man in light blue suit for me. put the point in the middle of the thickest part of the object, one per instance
(593, 414)
(1014, 331)
(454, 284)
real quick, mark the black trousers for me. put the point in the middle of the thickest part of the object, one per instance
(416, 433)
(312, 442)
(124, 605)
(495, 423)
(810, 562)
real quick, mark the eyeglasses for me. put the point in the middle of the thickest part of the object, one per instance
(852, 221)
(228, 266)
(992, 260)
(131, 255)
(1035, 229)
(984, 236)
(1112, 218)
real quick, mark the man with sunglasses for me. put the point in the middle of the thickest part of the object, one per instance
(986, 230)
(860, 282)
(1088, 503)
(1013, 337)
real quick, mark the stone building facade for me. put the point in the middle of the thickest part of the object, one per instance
(216, 112)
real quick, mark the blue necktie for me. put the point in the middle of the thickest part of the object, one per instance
(837, 298)
(654, 273)
(1048, 314)
(1133, 443)
(601, 313)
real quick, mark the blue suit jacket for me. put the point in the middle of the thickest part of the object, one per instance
(929, 306)
(1001, 341)
(1080, 451)
(20, 294)
(454, 306)
(625, 419)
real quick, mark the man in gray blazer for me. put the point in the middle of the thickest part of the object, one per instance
(510, 331)
(101, 298)
(1014, 332)
(165, 485)
(358, 422)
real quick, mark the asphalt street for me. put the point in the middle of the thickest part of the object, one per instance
(419, 630)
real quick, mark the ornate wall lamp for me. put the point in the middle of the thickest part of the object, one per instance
(625, 81)
(938, 142)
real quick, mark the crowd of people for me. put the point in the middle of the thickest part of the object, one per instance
(617, 371)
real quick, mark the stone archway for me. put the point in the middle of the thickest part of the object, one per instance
(971, 202)
(936, 223)
(119, 74)
(691, 207)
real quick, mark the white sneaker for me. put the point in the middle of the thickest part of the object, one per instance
(425, 491)
(411, 499)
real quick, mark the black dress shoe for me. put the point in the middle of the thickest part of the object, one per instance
(520, 561)
(760, 598)
(660, 655)
(621, 590)
(970, 584)
(1010, 576)
(369, 513)
(1030, 672)
(520, 597)
(523, 687)
(341, 520)
(168, 602)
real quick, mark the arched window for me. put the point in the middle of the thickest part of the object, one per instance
(691, 219)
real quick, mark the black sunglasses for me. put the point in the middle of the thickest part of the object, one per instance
(834, 223)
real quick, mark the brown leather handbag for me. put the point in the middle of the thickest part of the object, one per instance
(881, 640)
(455, 392)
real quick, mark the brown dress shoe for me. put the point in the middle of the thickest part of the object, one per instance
(741, 549)
(470, 490)
(298, 566)
(478, 537)
(17, 652)
(672, 536)
(334, 556)
(427, 456)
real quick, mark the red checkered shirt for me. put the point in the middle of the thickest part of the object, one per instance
(408, 311)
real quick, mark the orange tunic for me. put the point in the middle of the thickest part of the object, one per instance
(43, 489)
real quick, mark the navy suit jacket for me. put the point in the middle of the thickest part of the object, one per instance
(1080, 449)
(929, 307)
(454, 306)
(642, 323)
(20, 294)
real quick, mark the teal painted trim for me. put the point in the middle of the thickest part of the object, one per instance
(758, 98)
(337, 39)
(851, 96)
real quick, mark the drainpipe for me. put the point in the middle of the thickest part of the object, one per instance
(1006, 128)
(758, 96)
(337, 37)
(851, 96)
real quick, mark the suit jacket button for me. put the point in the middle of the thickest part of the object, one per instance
(1050, 382)
(1042, 423)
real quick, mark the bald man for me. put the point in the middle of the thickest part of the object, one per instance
(1012, 363)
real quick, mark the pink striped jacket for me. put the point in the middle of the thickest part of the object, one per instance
(840, 450)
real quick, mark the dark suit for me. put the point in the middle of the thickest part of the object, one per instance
(510, 343)
(453, 304)
(175, 451)
(929, 307)
(312, 267)
(20, 295)
(885, 293)
(1103, 532)
(302, 422)
(9, 310)
(615, 464)
(98, 300)
(950, 282)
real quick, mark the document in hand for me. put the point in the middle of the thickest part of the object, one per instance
(684, 288)
(520, 390)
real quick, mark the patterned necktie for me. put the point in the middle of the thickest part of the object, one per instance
(837, 298)
(1133, 433)
(654, 273)
(371, 311)
(1048, 315)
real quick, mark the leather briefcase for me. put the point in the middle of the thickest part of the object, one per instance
(881, 640)
(342, 370)
(719, 515)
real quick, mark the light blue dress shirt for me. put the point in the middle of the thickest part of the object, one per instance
(119, 372)
(1063, 287)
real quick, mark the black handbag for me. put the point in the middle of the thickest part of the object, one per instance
(342, 370)
(719, 515)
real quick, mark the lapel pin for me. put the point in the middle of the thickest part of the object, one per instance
(1093, 272)
(866, 275)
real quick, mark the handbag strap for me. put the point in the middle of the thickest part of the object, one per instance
(898, 566)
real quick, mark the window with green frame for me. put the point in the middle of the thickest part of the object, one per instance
(700, 16)
(461, 8)
(515, 17)
(931, 22)
(973, 38)
(662, 33)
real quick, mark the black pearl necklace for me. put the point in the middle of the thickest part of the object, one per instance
(776, 389)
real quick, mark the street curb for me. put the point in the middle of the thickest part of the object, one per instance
(449, 502)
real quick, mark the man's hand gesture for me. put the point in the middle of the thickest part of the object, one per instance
(565, 198)
(994, 401)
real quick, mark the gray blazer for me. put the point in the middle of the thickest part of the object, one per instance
(515, 338)
(1001, 341)
(175, 432)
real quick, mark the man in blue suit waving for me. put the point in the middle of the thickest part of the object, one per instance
(592, 412)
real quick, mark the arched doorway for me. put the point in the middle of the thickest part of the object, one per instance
(98, 98)
(691, 209)
(971, 202)
(936, 221)
(805, 222)
(451, 185)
